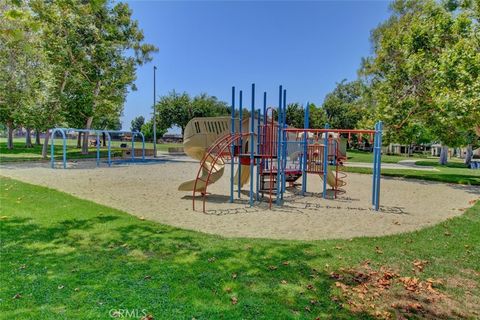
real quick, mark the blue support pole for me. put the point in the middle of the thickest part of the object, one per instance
(377, 165)
(279, 141)
(251, 144)
(285, 142)
(265, 119)
(109, 152)
(241, 143)
(232, 146)
(52, 149)
(133, 147)
(143, 146)
(259, 159)
(64, 147)
(64, 137)
(374, 180)
(325, 161)
(98, 148)
(305, 146)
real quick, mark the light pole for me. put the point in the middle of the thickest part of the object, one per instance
(154, 115)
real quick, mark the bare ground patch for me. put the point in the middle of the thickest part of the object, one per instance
(386, 294)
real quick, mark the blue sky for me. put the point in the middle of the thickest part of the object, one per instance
(210, 46)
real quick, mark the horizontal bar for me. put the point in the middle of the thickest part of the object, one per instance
(328, 130)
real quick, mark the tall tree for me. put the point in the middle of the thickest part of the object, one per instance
(99, 46)
(137, 123)
(426, 69)
(25, 76)
(344, 106)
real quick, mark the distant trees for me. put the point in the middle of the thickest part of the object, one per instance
(137, 123)
(344, 106)
(177, 109)
(67, 63)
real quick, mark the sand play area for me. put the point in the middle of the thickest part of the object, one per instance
(150, 191)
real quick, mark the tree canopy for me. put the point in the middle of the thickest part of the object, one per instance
(75, 62)
(177, 109)
(425, 70)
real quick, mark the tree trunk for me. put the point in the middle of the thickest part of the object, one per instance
(10, 135)
(85, 135)
(469, 155)
(79, 140)
(45, 144)
(104, 136)
(28, 138)
(443, 155)
(37, 137)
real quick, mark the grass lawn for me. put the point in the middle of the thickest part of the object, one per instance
(453, 172)
(66, 258)
(363, 156)
(21, 153)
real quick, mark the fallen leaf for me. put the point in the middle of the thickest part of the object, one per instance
(212, 259)
(308, 309)
(447, 233)
(234, 276)
(285, 263)
(283, 282)
(228, 289)
(17, 296)
(148, 317)
(272, 268)
(147, 277)
(60, 287)
(76, 289)
(419, 265)
(142, 218)
(234, 300)
(310, 286)
(378, 250)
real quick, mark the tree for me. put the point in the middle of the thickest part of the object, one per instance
(147, 130)
(96, 46)
(137, 123)
(344, 105)
(25, 76)
(177, 109)
(426, 69)
(295, 116)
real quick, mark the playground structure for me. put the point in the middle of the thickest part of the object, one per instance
(65, 131)
(272, 152)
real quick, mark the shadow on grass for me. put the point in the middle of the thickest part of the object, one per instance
(166, 271)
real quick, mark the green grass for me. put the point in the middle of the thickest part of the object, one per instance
(363, 156)
(67, 258)
(21, 153)
(451, 173)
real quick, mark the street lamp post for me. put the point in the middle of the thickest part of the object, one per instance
(154, 115)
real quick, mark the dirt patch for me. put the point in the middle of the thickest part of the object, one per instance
(150, 191)
(385, 294)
